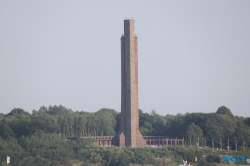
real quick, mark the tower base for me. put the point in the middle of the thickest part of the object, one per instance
(120, 140)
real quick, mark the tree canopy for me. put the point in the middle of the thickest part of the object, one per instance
(40, 136)
(224, 110)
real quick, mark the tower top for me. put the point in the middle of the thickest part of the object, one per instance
(129, 18)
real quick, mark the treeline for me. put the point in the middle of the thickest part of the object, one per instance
(218, 128)
(40, 136)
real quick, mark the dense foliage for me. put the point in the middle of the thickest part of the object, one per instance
(40, 138)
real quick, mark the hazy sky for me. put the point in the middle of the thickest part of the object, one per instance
(194, 56)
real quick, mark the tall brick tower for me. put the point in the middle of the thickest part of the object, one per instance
(129, 134)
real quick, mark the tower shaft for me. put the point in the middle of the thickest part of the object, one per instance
(129, 134)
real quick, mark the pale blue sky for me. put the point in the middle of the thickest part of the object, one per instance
(193, 55)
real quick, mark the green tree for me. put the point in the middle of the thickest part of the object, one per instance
(106, 123)
(5, 131)
(224, 110)
(195, 133)
(45, 122)
(19, 121)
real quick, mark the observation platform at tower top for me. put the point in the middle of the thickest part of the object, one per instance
(151, 141)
